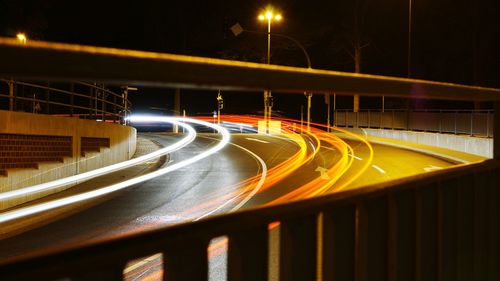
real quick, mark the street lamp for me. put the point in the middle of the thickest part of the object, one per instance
(22, 38)
(270, 16)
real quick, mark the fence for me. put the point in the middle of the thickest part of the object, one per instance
(74, 99)
(468, 122)
(436, 226)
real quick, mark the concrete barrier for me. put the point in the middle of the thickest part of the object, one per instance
(473, 145)
(122, 147)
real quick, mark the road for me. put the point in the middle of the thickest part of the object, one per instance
(218, 184)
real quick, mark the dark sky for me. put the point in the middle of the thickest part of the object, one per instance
(453, 40)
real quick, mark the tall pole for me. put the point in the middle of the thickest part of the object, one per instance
(409, 37)
(269, 108)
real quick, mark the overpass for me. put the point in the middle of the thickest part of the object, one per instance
(442, 225)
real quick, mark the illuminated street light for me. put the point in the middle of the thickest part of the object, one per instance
(22, 38)
(270, 16)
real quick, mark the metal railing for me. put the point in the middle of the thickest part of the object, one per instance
(469, 122)
(437, 226)
(73, 99)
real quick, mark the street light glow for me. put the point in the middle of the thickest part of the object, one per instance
(262, 17)
(22, 38)
(278, 17)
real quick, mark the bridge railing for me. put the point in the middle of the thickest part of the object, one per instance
(477, 123)
(436, 226)
(73, 99)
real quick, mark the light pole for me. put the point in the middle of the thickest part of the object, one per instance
(270, 16)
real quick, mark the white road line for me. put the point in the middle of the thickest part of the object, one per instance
(355, 157)
(378, 169)
(257, 140)
(249, 196)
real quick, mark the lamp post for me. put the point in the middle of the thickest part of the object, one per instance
(270, 16)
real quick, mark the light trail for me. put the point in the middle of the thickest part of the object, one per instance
(8, 216)
(191, 135)
(255, 189)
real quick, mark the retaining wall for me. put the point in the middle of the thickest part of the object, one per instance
(473, 145)
(122, 147)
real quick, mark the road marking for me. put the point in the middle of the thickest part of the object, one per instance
(355, 157)
(257, 140)
(432, 168)
(249, 196)
(378, 169)
(323, 171)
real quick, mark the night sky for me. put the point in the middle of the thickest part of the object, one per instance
(453, 40)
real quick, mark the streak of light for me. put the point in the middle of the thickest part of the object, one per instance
(356, 157)
(191, 135)
(257, 140)
(378, 169)
(257, 187)
(8, 216)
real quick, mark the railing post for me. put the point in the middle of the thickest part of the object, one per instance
(186, 262)
(47, 99)
(338, 247)
(298, 255)
(248, 255)
(471, 123)
(72, 99)
(456, 116)
(496, 131)
(11, 95)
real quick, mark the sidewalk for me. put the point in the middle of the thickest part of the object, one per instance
(144, 146)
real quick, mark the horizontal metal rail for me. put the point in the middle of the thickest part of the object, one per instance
(442, 225)
(98, 102)
(125, 67)
(477, 123)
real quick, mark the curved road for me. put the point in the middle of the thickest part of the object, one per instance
(211, 186)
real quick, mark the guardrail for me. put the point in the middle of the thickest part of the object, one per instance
(436, 226)
(74, 99)
(469, 122)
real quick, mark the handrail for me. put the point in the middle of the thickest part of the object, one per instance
(299, 220)
(111, 105)
(126, 67)
(471, 122)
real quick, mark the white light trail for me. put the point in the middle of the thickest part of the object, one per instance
(191, 135)
(8, 216)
